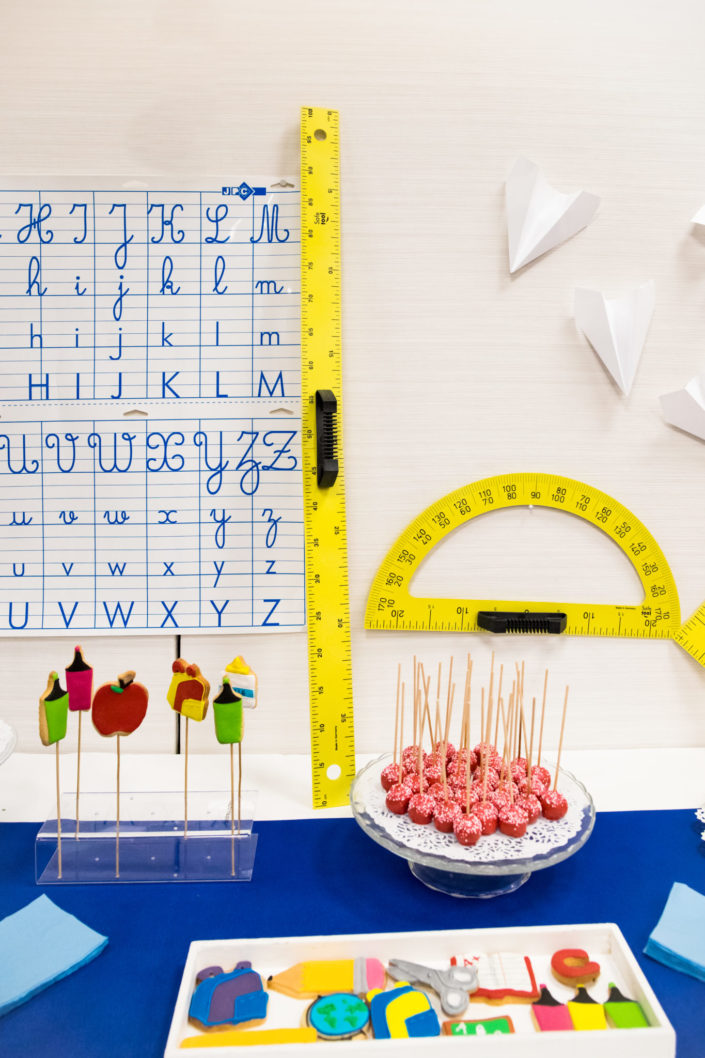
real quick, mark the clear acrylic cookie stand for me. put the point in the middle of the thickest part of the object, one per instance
(151, 843)
(496, 864)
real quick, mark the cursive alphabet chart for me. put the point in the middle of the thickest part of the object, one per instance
(150, 425)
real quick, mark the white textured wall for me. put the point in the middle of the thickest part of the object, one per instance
(453, 369)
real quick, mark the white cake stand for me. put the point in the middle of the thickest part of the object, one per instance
(496, 864)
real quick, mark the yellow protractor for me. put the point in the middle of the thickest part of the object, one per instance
(392, 607)
(325, 530)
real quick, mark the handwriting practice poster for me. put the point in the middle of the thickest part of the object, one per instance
(150, 424)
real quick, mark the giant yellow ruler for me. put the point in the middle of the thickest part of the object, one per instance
(325, 534)
(391, 606)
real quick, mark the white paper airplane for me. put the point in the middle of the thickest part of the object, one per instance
(616, 328)
(686, 407)
(699, 217)
(539, 217)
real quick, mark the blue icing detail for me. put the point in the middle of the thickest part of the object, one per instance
(338, 1016)
(229, 998)
(417, 1022)
(244, 692)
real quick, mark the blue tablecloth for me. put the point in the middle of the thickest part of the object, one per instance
(325, 876)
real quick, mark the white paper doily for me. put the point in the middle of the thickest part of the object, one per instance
(545, 843)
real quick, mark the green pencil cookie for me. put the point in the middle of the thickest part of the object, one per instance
(53, 711)
(623, 1013)
(227, 714)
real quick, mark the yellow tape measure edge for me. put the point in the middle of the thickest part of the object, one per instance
(325, 531)
(391, 606)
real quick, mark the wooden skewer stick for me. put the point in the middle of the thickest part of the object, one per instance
(560, 740)
(78, 772)
(420, 758)
(450, 681)
(417, 735)
(438, 707)
(117, 812)
(186, 781)
(466, 706)
(501, 711)
(466, 692)
(486, 755)
(531, 747)
(58, 813)
(499, 695)
(526, 748)
(232, 812)
(444, 749)
(482, 736)
(401, 736)
(396, 715)
(239, 786)
(426, 707)
(543, 711)
(469, 692)
(416, 710)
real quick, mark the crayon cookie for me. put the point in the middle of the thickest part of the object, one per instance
(484, 1027)
(623, 1013)
(53, 711)
(402, 1013)
(235, 998)
(308, 980)
(549, 1015)
(585, 1012)
(79, 682)
(339, 1016)
(227, 714)
(572, 966)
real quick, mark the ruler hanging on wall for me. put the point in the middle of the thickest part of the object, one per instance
(392, 607)
(325, 530)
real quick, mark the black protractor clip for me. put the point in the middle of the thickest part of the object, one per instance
(326, 438)
(525, 621)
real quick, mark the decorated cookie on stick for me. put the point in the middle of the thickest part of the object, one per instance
(188, 694)
(239, 690)
(79, 686)
(53, 717)
(119, 709)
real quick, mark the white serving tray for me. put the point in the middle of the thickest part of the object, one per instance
(603, 942)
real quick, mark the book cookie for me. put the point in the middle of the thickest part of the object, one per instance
(504, 977)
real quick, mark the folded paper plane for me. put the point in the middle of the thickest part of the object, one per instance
(686, 407)
(616, 328)
(540, 218)
(699, 217)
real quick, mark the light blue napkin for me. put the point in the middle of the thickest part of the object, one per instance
(679, 937)
(40, 944)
